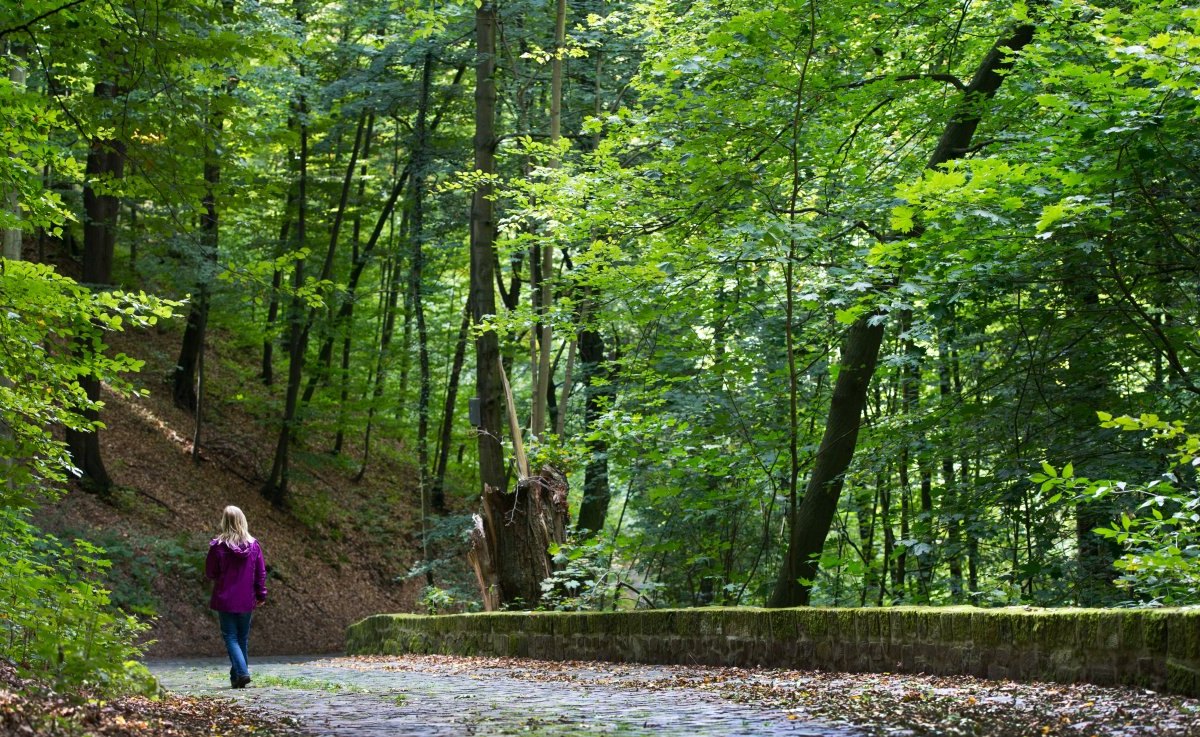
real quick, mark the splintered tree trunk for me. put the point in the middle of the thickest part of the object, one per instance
(106, 160)
(861, 352)
(511, 537)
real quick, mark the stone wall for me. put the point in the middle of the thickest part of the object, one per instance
(1158, 649)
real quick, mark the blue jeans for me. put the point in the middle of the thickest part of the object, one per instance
(235, 631)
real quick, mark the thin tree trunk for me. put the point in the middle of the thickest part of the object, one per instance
(345, 317)
(324, 359)
(542, 388)
(861, 352)
(925, 532)
(12, 236)
(598, 394)
(268, 361)
(420, 161)
(191, 350)
(889, 535)
(951, 510)
(437, 491)
(387, 331)
(276, 487)
(900, 575)
(11, 250)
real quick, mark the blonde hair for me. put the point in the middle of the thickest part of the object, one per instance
(234, 530)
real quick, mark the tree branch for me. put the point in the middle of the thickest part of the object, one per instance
(947, 78)
(26, 26)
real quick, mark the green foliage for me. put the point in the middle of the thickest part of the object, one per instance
(1160, 534)
(57, 620)
(437, 600)
(736, 183)
(136, 562)
(586, 579)
(52, 334)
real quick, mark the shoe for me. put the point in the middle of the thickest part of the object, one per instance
(243, 681)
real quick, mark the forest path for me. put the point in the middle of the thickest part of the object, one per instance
(373, 698)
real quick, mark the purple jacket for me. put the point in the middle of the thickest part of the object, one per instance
(239, 576)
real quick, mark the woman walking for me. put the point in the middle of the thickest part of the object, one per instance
(239, 574)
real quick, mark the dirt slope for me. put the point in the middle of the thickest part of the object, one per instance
(332, 559)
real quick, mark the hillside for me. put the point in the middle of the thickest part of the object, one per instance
(333, 557)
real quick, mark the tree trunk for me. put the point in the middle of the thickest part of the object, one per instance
(12, 252)
(889, 535)
(543, 387)
(344, 321)
(325, 359)
(276, 488)
(437, 492)
(598, 393)
(511, 539)
(814, 516)
(483, 236)
(951, 509)
(420, 162)
(390, 299)
(268, 361)
(12, 236)
(192, 348)
(861, 351)
(106, 160)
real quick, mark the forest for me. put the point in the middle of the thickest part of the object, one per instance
(656, 303)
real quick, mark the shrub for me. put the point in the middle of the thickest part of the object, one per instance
(57, 621)
(1161, 535)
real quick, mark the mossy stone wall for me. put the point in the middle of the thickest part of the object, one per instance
(1158, 649)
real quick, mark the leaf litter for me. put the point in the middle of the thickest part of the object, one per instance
(30, 707)
(885, 704)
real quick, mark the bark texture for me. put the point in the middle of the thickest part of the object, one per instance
(512, 536)
(105, 161)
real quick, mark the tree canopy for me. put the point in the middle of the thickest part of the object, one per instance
(823, 302)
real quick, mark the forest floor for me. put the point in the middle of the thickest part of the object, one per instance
(339, 551)
(434, 696)
(32, 708)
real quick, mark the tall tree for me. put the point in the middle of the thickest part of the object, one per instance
(860, 353)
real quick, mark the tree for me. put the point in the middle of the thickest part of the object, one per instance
(815, 514)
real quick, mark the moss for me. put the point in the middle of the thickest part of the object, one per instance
(1183, 637)
(1182, 678)
(1061, 643)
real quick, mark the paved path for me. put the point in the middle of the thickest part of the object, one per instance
(342, 696)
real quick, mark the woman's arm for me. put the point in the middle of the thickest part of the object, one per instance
(212, 564)
(260, 575)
